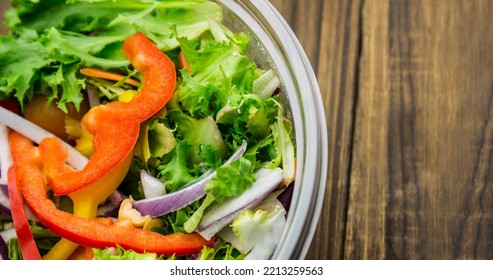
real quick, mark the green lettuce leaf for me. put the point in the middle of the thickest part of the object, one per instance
(51, 39)
(220, 74)
(231, 179)
(249, 227)
(19, 66)
(199, 133)
(119, 253)
(160, 138)
(224, 252)
(175, 172)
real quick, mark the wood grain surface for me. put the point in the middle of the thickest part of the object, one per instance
(329, 32)
(3, 6)
(408, 92)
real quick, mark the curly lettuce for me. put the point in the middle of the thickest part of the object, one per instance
(51, 39)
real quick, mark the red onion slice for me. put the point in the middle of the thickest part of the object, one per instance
(4, 250)
(174, 201)
(4, 200)
(112, 207)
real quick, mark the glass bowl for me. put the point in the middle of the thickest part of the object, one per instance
(275, 45)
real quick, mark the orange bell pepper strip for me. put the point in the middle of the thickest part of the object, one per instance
(93, 233)
(115, 125)
(25, 237)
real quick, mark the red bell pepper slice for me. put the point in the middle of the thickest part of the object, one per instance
(21, 224)
(93, 233)
(115, 125)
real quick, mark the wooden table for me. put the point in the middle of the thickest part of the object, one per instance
(408, 93)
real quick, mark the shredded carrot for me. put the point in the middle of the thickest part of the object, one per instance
(183, 62)
(98, 73)
(82, 253)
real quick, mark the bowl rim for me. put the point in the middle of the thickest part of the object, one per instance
(300, 82)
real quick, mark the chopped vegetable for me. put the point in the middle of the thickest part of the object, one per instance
(199, 132)
(151, 186)
(82, 253)
(5, 163)
(176, 200)
(115, 120)
(160, 140)
(231, 179)
(224, 251)
(4, 251)
(248, 228)
(5, 157)
(87, 195)
(37, 134)
(119, 253)
(222, 214)
(11, 105)
(21, 224)
(264, 249)
(219, 74)
(54, 37)
(285, 148)
(286, 196)
(175, 173)
(98, 73)
(183, 62)
(193, 222)
(4, 200)
(8, 234)
(154, 104)
(90, 232)
(86, 201)
(265, 85)
(44, 113)
(110, 209)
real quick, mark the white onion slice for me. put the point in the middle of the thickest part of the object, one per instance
(265, 85)
(8, 234)
(151, 185)
(5, 156)
(222, 214)
(36, 134)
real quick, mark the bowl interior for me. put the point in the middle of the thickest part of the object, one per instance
(274, 45)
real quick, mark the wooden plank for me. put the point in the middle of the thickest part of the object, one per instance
(4, 5)
(421, 185)
(329, 33)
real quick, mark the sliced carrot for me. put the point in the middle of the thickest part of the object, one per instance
(98, 73)
(183, 62)
(82, 253)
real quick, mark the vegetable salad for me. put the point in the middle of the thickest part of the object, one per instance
(138, 130)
